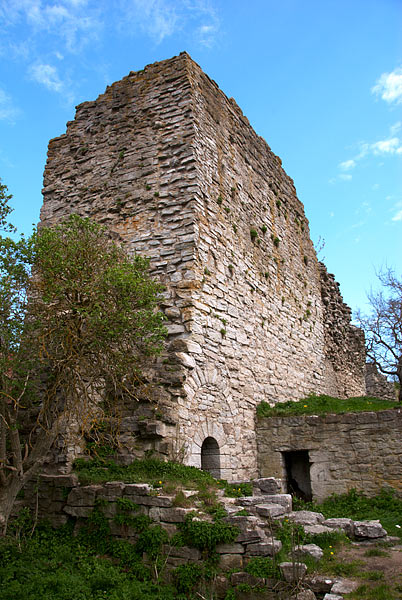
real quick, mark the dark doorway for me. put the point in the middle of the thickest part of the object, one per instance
(297, 465)
(210, 457)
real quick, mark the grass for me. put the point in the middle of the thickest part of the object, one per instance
(355, 505)
(151, 470)
(379, 592)
(318, 405)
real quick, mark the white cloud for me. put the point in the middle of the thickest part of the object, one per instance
(74, 22)
(347, 165)
(397, 216)
(160, 19)
(47, 76)
(389, 86)
(8, 112)
(389, 146)
(345, 177)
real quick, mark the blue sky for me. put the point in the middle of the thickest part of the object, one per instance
(320, 80)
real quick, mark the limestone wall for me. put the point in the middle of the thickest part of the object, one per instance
(172, 167)
(354, 450)
(377, 385)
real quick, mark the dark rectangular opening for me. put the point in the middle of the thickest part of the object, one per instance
(297, 466)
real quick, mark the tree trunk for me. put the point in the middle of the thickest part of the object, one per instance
(8, 495)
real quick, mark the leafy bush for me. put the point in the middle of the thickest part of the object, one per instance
(205, 535)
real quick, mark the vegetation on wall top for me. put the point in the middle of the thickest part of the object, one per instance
(319, 405)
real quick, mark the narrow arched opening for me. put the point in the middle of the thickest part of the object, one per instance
(211, 457)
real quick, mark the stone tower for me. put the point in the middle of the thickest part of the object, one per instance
(173, 168)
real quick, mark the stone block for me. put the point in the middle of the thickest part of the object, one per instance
(247, 579)
(332, 597)
(293, 571)
(270, 510)
(228, 562)
(269, 485)
(344, 586)
(137, 489)
(368, 529)
(317, 529)
(264, 548)
(230, 549)
(83, 496)
(306, 517)
(345, 525)
(78, 511)
(309, 550)
(163, 501)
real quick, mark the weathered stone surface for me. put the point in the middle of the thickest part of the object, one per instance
(137, 489)
(342, 524)
(83, 496)
(306, 517)
(228, 562)
(344, 586)
(170, 515)
(368, 529)
(163, 501)
(269, 485)
(246, 578)
(316, 529)
(309, 550)
(269, 548)
(270, 510)
(230, 549)
(332, 597)
(293, 571)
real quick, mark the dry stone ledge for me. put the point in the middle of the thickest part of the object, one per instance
(293, 571)
(247, 579)
(342, 524)
(332, 597)
(230, 549)
(306, 517)
(368, 529)
(270, 510)
(249, 502)
(344, 586)
(269, 548)
(317, 529)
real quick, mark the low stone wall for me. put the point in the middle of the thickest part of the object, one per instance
(344, 451)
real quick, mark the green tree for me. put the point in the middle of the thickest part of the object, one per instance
(383, 327)
(74, 334)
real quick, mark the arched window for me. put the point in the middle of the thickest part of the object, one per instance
(210, 457)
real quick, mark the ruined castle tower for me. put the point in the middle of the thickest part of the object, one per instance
(171, 165)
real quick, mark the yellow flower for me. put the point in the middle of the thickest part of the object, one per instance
(331, 552)
(160, 482)
(305, 406)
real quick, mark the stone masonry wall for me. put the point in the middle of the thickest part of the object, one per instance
(377, 385)
(354, 450)
(172, 167)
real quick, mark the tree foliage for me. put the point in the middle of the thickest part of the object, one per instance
(78, 318)
(383, 327)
